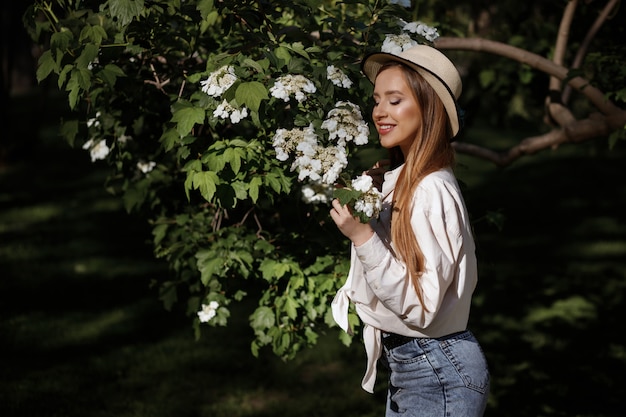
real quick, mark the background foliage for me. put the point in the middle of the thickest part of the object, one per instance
(226, 215)
(83, 338)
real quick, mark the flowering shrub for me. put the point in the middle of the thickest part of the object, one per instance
(227, 126)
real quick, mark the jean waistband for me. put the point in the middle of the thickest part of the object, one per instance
(393, 340)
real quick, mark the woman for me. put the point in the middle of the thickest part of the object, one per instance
(413, 270)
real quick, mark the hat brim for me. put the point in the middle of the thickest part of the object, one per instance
(373, 62)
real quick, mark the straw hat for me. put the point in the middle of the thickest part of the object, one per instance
(431, 64)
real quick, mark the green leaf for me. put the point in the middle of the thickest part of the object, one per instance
(69, 130)
(283, 53)
(262, 318)
(215, 162)
(159, 231)
(134, 196)
(169, 138)
(206, 182)
(252, 64)
(234, 159)
(291, 307)
(90, 52)
(251, 94)
(110, 73)
(253, 188)
(46, 65)
(93, 34)
(60, 41)
(205, 7)
(241, 190)
(124, 11)
(209, 266)
(186, 118)
(272, 180)
(298, 48)
(346, 195)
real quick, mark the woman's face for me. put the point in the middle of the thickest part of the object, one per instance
(397, 114)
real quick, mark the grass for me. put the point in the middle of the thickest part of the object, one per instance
(82, 333)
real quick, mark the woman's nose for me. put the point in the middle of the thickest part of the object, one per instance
(378, 111)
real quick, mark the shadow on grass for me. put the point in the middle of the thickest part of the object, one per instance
(83, 335)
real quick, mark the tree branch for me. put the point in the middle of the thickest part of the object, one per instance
(595, 126)
(569, 130)
(533, 60)
(610, 6)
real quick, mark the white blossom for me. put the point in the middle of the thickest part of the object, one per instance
(345, 124)
(225, 110)
(94, 121)
(208, 311)
(324, 164)
(219, 81)
(98, 150)
(429, 33)
(362, 183)
(290, 84)
(286, 142)
(371, 199)
(396, 44)
(124, 138)
(317, 192)
(146, 167)
(338, 77)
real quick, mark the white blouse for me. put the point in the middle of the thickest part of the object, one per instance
(379, 284)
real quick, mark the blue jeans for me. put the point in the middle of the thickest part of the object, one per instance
(443, 377)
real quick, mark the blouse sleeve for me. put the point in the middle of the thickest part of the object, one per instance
(436, 219)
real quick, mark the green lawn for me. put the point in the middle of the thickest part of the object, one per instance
(83, 335)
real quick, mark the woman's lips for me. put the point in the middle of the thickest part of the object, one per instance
(383, 129)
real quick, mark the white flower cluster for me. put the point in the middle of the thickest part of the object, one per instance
(219, 81)
(429, 33)
(208, 311)
(225, 110)
(345, 123)
(311, 159)
(317, 192)
(395, 44)
(97, 150)
(146, 167)
(286, 141)
(371, 199)
(338, 77)
(289, 84)
(94, 121)
(316, 161)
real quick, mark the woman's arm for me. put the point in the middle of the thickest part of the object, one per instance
(436, 220)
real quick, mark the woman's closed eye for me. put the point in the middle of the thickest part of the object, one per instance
(392, 102)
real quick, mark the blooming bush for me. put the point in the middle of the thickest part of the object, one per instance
(227, 126)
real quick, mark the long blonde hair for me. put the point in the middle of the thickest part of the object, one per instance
(430, 151)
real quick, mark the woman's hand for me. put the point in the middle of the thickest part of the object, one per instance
(349, 225)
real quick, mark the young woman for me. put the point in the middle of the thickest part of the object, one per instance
(413, 269)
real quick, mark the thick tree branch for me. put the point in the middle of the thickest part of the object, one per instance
(569, 130)
(533, 60)
(610, 6)
(554, 106)
(595, 126)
